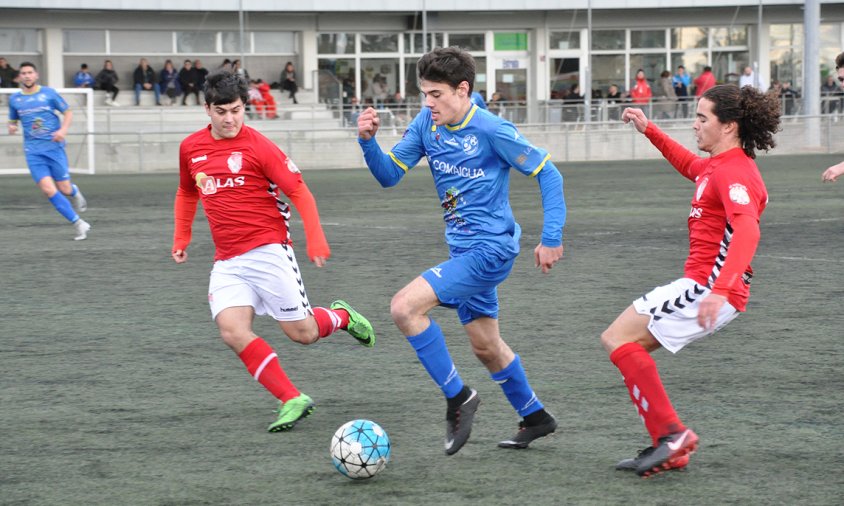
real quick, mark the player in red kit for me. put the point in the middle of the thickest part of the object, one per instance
(240, 176)
(729, 198)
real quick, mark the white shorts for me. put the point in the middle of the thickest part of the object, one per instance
(266, 278)
(673, 309)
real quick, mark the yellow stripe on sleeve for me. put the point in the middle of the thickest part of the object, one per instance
(398, 162)
(541, 165)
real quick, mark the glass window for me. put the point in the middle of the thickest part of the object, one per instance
(141, 41)
(564, 40)
(786, 65)
(729, 36)
(336, 80)
(510, 41)
(84, 41)
(606, 70)
(830, 47)
(786, 35)
(196, 42)
(565, 72)
(607, 39)
(467, 41)
(275, 42)
(693, 61)
(336, 43)
(480, 76)
(411, 81)
(652, 64)
(379, 43)
(19, 40)
(688, 38)
(413, 42)
(641, 39)
(379, 79)
(231, 42)
(728, 65)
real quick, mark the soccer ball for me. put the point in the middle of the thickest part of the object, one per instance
(360, 449)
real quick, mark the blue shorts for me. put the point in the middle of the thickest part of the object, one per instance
(52, 162)
(468, 281)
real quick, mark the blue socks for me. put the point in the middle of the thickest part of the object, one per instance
(75, 190)
(63, 206)
(432, 352)
(513, 381)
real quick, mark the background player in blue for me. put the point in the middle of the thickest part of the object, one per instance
(43, 143)
(470, 152)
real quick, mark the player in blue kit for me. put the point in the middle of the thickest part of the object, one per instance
(470, 153)
(43, 143)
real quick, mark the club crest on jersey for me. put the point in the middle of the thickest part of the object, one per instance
(235, 161)
(470, 144)
(738, 194)
(701, 187)
(292, 167)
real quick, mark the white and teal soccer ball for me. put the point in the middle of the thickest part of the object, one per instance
(360, 449)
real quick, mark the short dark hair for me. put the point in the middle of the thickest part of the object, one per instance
(839, 61)
(450, 65)
(757, 114)
(224, 87)
(27, 64)
(84, 66)
(707, 69)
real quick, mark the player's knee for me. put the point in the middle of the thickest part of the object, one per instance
(400, 310)
(303, 331)
(609, 340)
(236, 339)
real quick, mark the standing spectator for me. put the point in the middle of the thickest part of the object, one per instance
(352, 111)
(83, 78)
(189, 81)
(748, 78)
(8, 75)
(144, 78)
(496, 103)
(729, 198)
(44, 135)
(379, 90)
(169, 81)
(789, 98)
(665, 96)
(481, 232)
(682, 81)
(230, 167)
(288, 81)
(831, 95)
(614, 101)
(238, 69)
(107, 81)
(641, 92)
(201, 74)
(704, 81)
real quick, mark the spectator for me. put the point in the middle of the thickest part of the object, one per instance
(789, 98)
(238, 69)
(107, 81)
(83, 78)
(573, 104)
(398, 105)
(681, 82)
(288, 81)
(269, 108)
(748, 78)
(201, 74)
(144, 78)
(353, 110)
(169, 81)
(8, 75)
(704, 81)
(189, 81)
(496, 104)
(614, 101)
(666, 96)
(641, 92)
(379, 90)
(831, 95)
(226, 65)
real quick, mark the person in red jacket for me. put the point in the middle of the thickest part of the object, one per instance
(240, 175)
(641, 92)
(704, 81)
(729, 198)
(270, 111)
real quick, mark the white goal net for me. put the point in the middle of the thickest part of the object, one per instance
(80, 137)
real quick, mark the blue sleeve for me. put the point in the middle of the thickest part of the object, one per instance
(13, 113)
(59, 103)
(517, 151)
(389, 168)
(553, 204)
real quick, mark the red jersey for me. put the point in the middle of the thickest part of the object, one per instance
(232, 178)
(726, 185)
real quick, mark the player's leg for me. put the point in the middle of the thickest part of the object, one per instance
(72, 192)
(409, 308)
(42, 168)
(506, 369)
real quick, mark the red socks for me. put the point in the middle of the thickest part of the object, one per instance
(646, 391)
(329, 320)
(262, 363)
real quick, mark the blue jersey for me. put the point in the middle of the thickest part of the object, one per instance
(471, 165)
(37, 116)
(478, 100)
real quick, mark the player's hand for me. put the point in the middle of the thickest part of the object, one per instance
(710, 306)
(13, 128)
(631, 114)
(832, 173)
(180, 256)
(368, 123)
(319, 261)
(545, 257)
(59, 135)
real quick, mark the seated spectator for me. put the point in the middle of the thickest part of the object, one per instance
(201, 74)
(831, 94)
(144, 78)
(83, 78)
(495, 104)
(189, 81)
(169, 81)
(615, 102)
(352, 111)
(107, 81)
(270, 111)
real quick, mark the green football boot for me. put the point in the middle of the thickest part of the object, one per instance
(291, 412)
(359, 327)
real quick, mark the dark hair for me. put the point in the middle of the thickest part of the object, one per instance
(27, 64)
(225, 87)
(84, 66)
(757, 114)
(839, 61)
(665, 73)
(707, 69)
(450, 65)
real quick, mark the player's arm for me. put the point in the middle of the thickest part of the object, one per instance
(677, 155)
(550, 248)
(184, 210)
(61, 133)
(303, 200)
(13, 119)
(388, 168)
(832, 173)
(742, 247)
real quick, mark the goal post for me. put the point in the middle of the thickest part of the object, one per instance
(80, 145)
